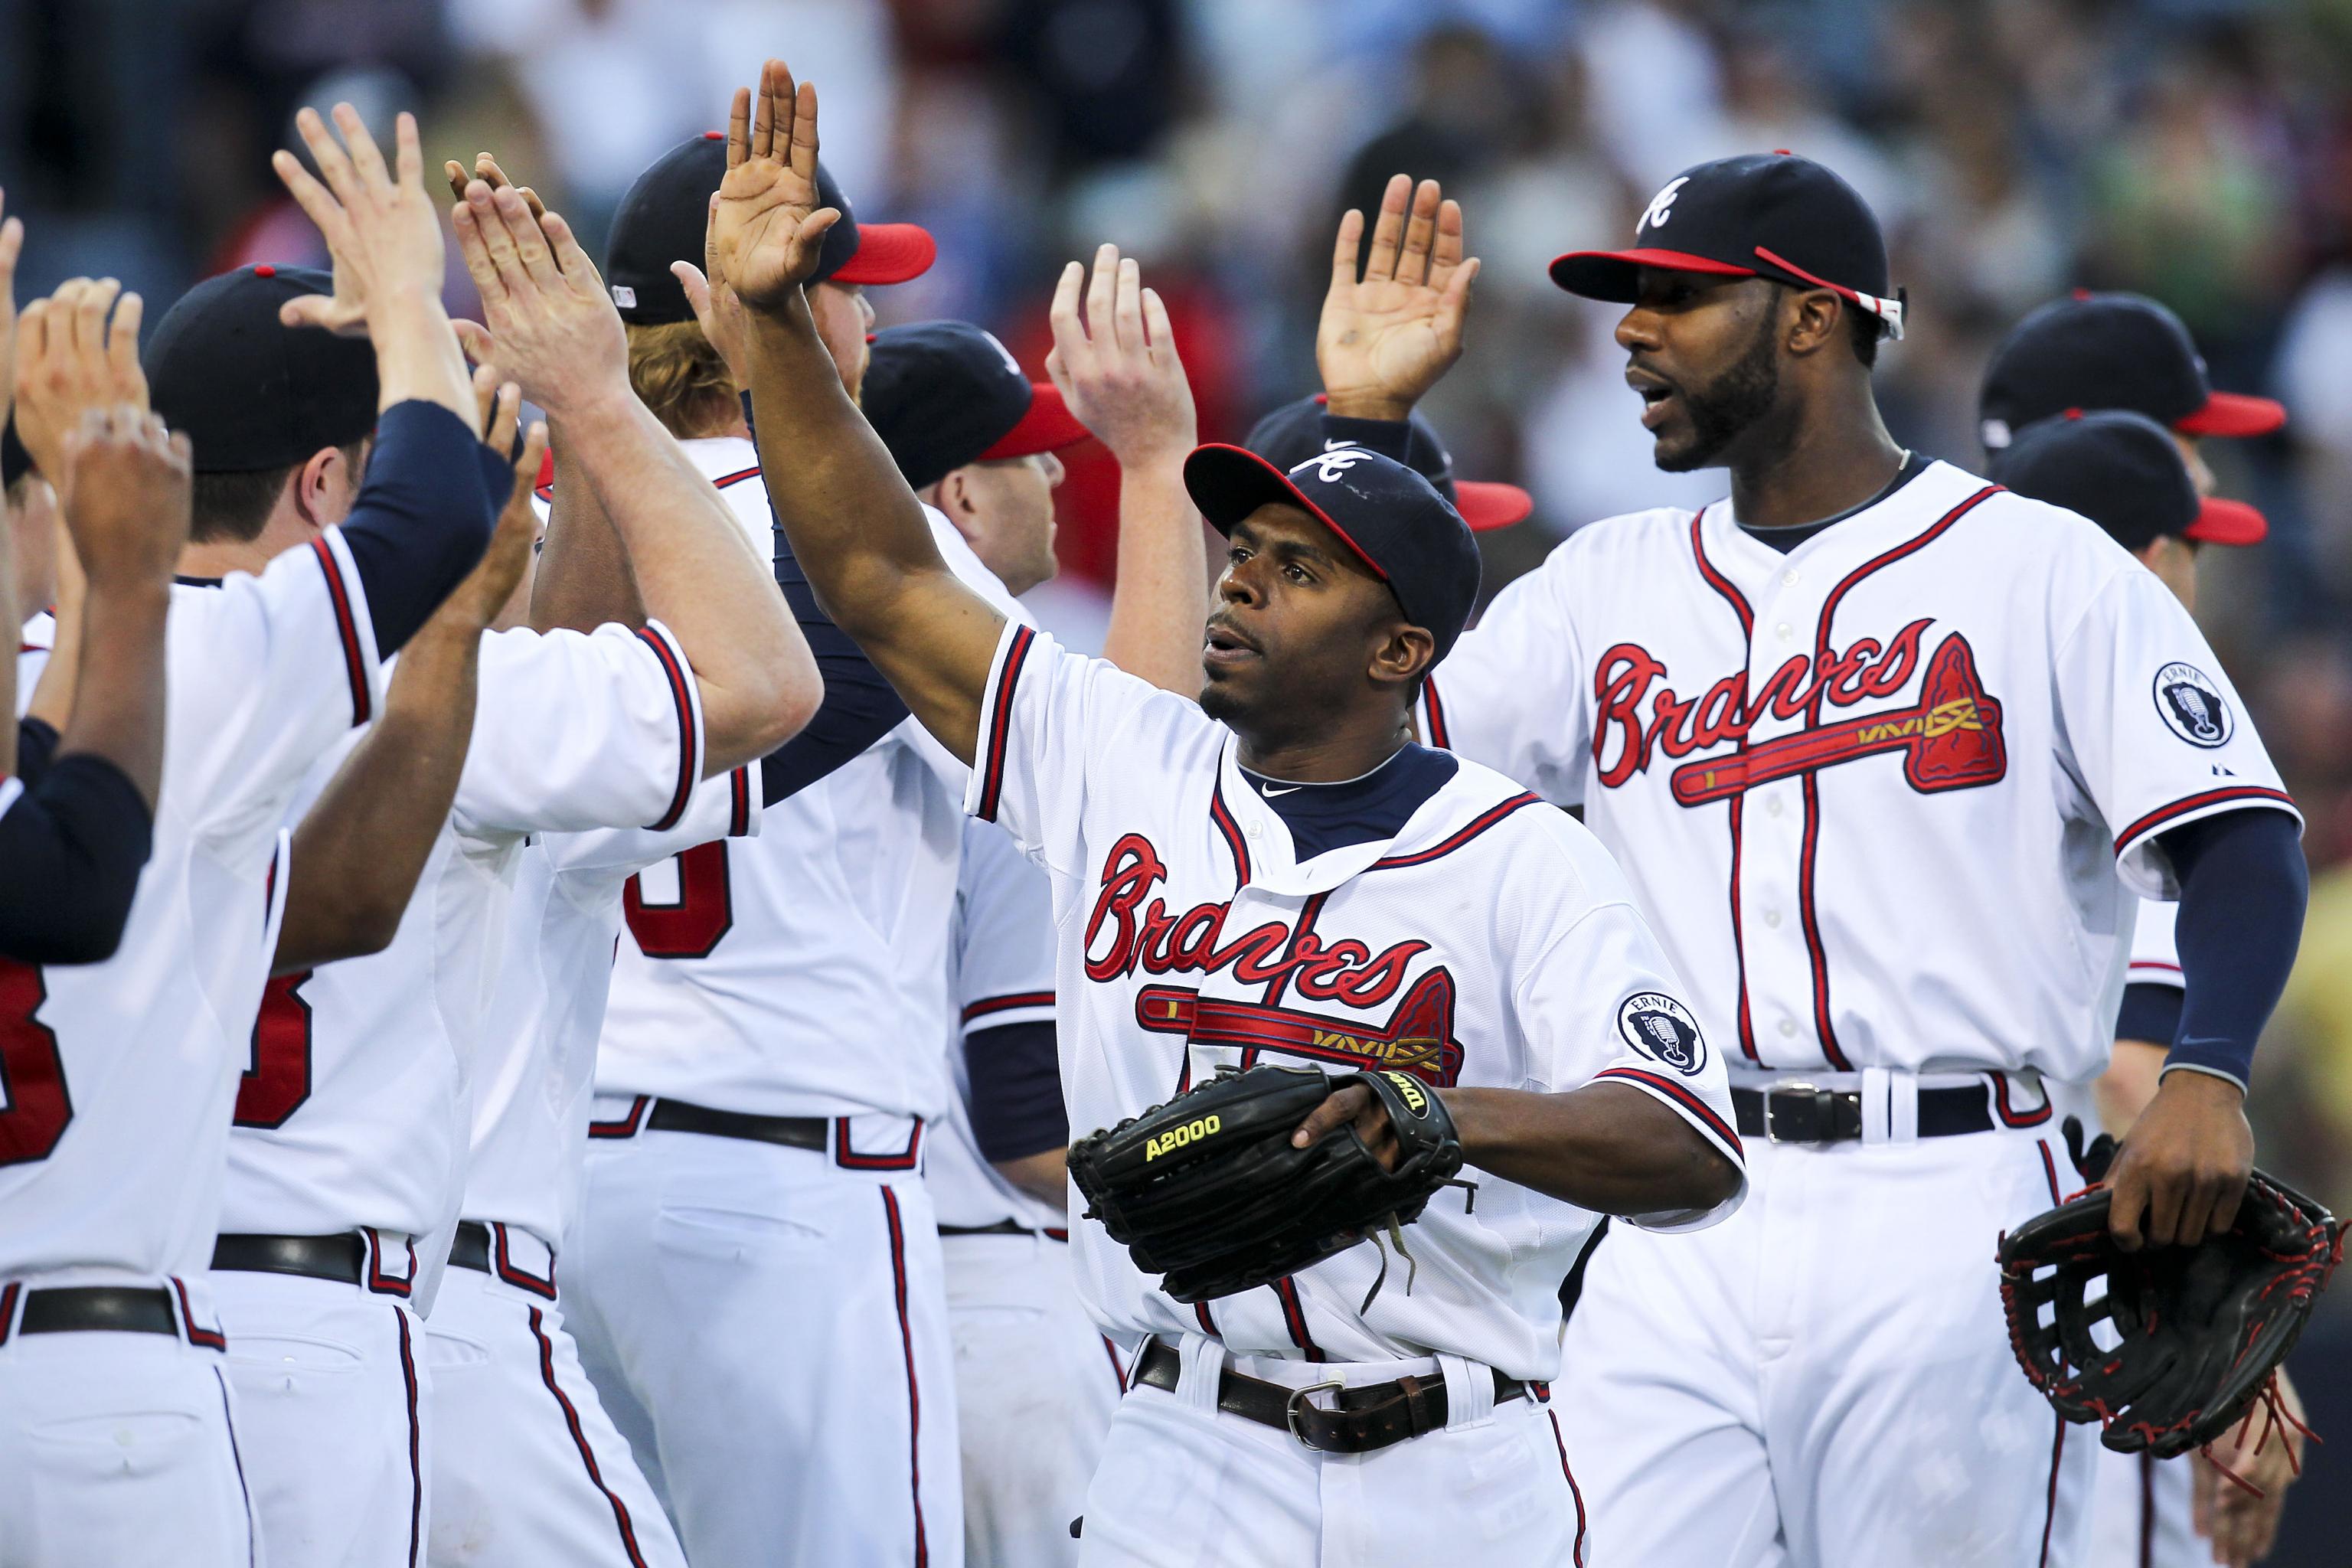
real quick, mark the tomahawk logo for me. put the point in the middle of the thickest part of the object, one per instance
(1330, 465)
(1662, 206)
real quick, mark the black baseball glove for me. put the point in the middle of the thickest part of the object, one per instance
(2166, 1347)
(1207, 1190)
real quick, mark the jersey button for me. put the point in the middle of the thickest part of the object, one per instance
(1788, 578)
(1787, 1026)
(1772, 805)
(1772, 918)
(1782, 631)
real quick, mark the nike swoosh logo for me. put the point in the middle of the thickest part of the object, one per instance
(1270, 793)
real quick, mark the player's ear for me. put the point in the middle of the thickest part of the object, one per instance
(1403, 656)
(1817, 321)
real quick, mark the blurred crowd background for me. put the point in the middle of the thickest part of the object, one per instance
(2200, 151)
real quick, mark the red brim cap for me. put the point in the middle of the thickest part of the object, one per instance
(1228, 483)
(888, 253)
(1485, 504)
(2233, 413)
(2222, 521)
(1048, 426)
(1612, 274)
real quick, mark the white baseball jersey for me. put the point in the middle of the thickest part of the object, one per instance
(1888, 796)
(805, 973)
(120, 1074)
(1491, 942)
(532, 1077)
(33, 643)
(1002, 973)
(2155, 956)
(352, 1111)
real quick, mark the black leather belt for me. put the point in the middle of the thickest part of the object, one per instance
(472, 1247)
(1799, 1113)
(101, 1309)
(342, 1258)
(1362, 1419)
(792, 1131)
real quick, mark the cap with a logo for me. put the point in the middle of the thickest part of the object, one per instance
(1763, 214)
(250, 391)
(944, 394)
(1295, 432)
(2120, 469)
(1389, 518)
(2110, 351)
(663, 216)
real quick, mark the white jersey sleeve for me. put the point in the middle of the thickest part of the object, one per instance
(2155, 956)
(726, 807)
(578, 731)
(1005, 935)
(2151, 726)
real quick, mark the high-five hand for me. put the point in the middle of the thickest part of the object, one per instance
(768, 230)
(381, 230)
(1385, 340)
(126, 498)
(1118, 370)
(69, 360)
(553, 326)
(12, 241)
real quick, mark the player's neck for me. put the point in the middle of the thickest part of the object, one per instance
(1839, 455)
(218, 558)
(1333, 754)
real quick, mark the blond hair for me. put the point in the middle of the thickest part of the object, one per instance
(679, 375)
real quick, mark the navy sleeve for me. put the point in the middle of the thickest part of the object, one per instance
(424, 515)
(1016, 1072)
(2150, 1013)
(73, 848)
(2243, 887)
(1389, 437)
(37, 745)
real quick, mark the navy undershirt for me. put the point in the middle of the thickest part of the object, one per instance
(1784, 540)
(2244, 884)
(422, 517)
(1375, 806)
(74, 843)
(1015, 1097)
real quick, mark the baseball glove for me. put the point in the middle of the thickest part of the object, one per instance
(2166, 1347)
(1208, 1191)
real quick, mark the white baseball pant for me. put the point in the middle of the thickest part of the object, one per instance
(1184, 1485)
(1825, 1378)
(1036, 1385)
(2140, 1513)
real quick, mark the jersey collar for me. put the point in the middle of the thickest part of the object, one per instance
(1266, 838)
(1905, 512)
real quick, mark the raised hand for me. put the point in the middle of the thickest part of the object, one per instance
(1385, 340)
(767, 230)
(12, 241)
(717, 309)
(552, 326)
(126, 497)
(1118, 369)
(379, 224)
(486, 170)
(69, 361)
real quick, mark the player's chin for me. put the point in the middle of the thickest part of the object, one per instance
(1225, 695)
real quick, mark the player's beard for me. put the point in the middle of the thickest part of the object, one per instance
(1734, 400)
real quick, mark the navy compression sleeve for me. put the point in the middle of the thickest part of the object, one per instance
(37, 745)
(424, 515)
(1015, 1073)
(2150, 1013)
(73, 846)
(2243, 888)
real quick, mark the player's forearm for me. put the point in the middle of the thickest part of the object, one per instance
(2124, 1090)
(117, 694)
(1045, 1177)
(696, 574)
(1609, 1148)
(417, 356)
(364, 841)
(1161, 599)
(7, 597)
(584, 580)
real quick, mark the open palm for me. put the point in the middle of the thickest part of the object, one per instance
(1386, 338)
(767, 230)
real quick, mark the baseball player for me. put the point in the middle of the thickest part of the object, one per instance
(1304, 884)
(1888, 752)
(121, 1073)
(2122, 470)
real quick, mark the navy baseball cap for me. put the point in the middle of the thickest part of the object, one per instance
(1762, 214)
(1295, 432)
(14, 461)
(944, 394)
(2110, 351)
(662, 218)
(2122, 470)
(250, 391)
(1389, 518)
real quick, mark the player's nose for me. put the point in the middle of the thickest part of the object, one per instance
(1637, 329)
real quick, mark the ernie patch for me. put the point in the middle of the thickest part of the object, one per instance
(2191, 703)
(1660, 1028)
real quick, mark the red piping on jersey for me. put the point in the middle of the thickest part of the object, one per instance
(2154, 964)
(579, 1440)
(2182, 807)
(739, 811)
(1436, 711)
(8, 1317)
(2058, 1444)
(1293, 1316)
(504, 1262)
(1737, 813)
(208, 1339)
(1224, 818)
(681, 690)
(1208, 1324)
(2010, 1118)
(988, 1005)
(1484, 820)
(848, 1161)
(1573, 1490)
(627, 1126)
(339, 593)
(737, 478)
(1110, 1350)
(415, 1442)
(1690, 1102)
(999, 723)
(914, 1391)
(1810, 916)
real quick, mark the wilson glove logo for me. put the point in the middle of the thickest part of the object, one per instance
(1410, 1092)
(1176, 1138)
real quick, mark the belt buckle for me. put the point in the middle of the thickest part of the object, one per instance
(1298, 1401)
(1816, 1096)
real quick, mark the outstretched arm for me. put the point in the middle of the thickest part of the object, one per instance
(854, 527)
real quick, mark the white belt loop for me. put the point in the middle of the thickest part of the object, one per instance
(1877, 1104)
(1201, 1365)
(1469, 1393)
(1902, 1108)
